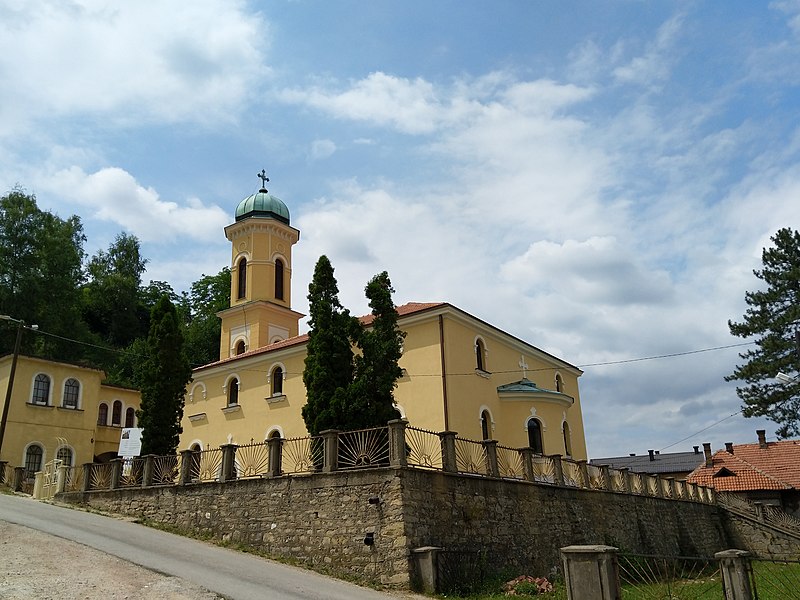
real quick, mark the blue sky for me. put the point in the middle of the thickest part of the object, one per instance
(597, 178)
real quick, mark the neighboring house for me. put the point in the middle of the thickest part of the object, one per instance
(767, 472)
(61, 410)
(677, 465)
(460, 373)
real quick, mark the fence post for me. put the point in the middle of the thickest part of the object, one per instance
(490, 450)
(527, 463)
(426, 569)
(116, 472)
(591, 572)
(147, 470)
(558, 469)
(19, 478)
(61, 479)
(330, 448)
(187, 458)
(38, 481)
(397, 443)
(275, 446)
(228, 463)
(734, 565)
(448, 439)
(87, 477)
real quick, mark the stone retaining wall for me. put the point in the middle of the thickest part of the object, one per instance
(322, 520)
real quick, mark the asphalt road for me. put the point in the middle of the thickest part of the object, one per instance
(232, 574)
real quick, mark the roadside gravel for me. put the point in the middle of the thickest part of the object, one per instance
(35, 565)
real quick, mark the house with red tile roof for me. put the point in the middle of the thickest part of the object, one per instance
(766, 472)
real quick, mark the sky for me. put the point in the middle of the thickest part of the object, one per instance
(598, 178)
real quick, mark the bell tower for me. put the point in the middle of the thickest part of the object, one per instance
(261, 275)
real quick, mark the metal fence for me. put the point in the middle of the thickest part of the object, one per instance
(644, 577)
(775, 579)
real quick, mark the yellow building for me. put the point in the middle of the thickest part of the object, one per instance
(61, 410)
(460, 373)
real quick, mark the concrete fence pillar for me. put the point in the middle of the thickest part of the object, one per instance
(61, 479)
(398, 456)
(19, 479)
(275, 446)
(228, 463)
(448, 439)
(558, 469)
(591, 572)
(734, 566)
(148, 468)
(490, 450)
(187, 458)
(87, 477)
(38, 483)
(425, 575)
(330, 449)
(527, 463)
(116, 473)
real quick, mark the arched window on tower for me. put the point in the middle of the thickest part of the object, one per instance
(279, 279)
(480, 355)
(277, 381)
(241, 279)
(130, 417)
(559, 383)
(233, 392)
(239, 348)
(486, 425)
(535, 436)
(567, 440)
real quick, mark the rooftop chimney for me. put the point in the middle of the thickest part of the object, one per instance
(762, 438)
(707, 452)
(652, 454)
(696, 449)
(729, 447)
(633, 453)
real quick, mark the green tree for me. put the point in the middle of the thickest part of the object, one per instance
(328, 369)
(41, 270)
(209, 295)
(371, 401)
(772, 318)
(162, 376)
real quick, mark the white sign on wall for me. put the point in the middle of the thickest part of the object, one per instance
(130, 442)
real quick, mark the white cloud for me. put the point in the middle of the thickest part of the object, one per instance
(321, 149)
(113, 195)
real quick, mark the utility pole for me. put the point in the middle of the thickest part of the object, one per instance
(10, 387)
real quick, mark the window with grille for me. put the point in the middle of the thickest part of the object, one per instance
(41, 389)
(71, 392)
(64, 454)
(33, 460)
(535, 436)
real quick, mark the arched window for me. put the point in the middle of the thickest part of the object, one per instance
(102, 414)
(567, 440)
(277, 381)
(559, 383)
(33, 460)
(130, 417)
(239, 348)
(535, 436)
(233, 392)
(279, 279)
(480, 355)
(71, 392)
(274, 434)
(41, 389)
(486, 425)
(116, 414)
(64, 454)
(242, 279)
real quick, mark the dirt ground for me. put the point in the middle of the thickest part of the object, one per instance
(35, 565)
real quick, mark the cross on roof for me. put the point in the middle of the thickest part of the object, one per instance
(524, 366)
(264, 179)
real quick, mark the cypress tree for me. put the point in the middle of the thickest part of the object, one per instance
(162, 376)
(772, 318)
(328, 369)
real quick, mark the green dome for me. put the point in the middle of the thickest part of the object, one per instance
(263, 204)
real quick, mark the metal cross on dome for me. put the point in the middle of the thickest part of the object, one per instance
(264, 179)
(524, 366)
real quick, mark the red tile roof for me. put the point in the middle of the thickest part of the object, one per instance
(776, 467)
(404, 310)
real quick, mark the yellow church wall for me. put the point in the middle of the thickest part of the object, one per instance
(53, 425)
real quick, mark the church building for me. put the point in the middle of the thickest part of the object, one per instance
(460, 373)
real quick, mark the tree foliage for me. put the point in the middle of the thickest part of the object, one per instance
(329, 365)
(371, 401)
(162, 375)
(772, 318)
(208, 296)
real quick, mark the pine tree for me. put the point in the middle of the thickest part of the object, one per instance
(371, 401)
(162, 377)
(772, 319)
(328, 369)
